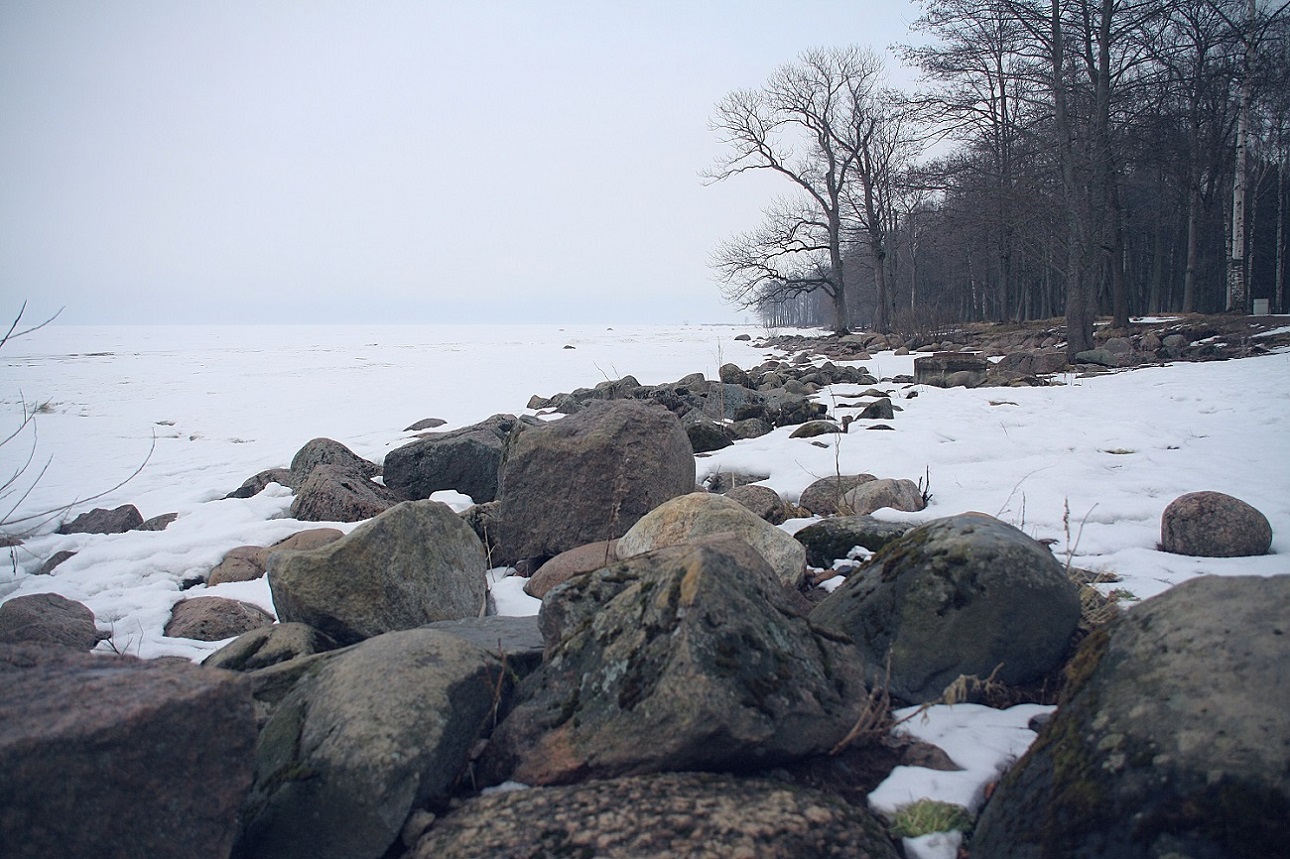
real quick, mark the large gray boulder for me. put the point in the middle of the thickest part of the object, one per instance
(115, 756)
(659, 817)
(822, 496)
(467, 460)
(418, 562)
(831, 539)
(702, 514)
(898, 494)
(1214, 525)
(690, 657)
(337, 493)
(48, 619)
(365, 736)
(956, 596)
(326, 451)
(589, 477)
(1171, 738)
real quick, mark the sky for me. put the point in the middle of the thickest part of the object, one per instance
(388, 162)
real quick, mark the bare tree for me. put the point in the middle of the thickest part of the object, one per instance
(805, 124)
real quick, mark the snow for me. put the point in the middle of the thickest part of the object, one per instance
(1089, 464)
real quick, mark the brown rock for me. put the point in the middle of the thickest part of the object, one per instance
(48, 619)
(214, 618)
(566, 565)
(1214, 525)
(103, 521)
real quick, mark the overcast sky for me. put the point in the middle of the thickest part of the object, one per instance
(464, 161)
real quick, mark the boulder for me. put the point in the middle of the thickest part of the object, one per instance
(822, 496)
(566, 565)
(115, 756)
(690, 657)
(733, 374)
(365, 736)
(425, 424)
(48, 619)
(53, 561)
(103, 521)
(749, 428)
(326, 451)
(707, 435)
(516, 641)
(876, 494)
(762, 501)
(957, 596)
(722, 482)
(1171, 738)
(214, 618)
(416, 563)
(270, 645)
(336, 493)
(589, 477)
(702, 514)
(1214, 525)
(831, 539)
(950, 370)
(467, 460)
(880, 409)
(246, 563)
(659, 817)
(256, 483)
(158, 523)
(811, 429)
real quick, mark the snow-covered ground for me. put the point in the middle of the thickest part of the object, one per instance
(1090, 464)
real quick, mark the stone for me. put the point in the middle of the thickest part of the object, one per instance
(466, 460)
(880, 409)
(54, 560)
(904, 495)
(48, 619)
(425, 424)
(1214, 525)
(566, 565)
(811, 429)
(326, 451)
(733, 374)
(270, 645)
(690, 657)
(761, 500)
(246, 563)
(103, 521)
(335, 493)
(822, 496)
(1171, 738)
(256, 483)
(701, 514)
(743, 337)
(214, 618)
(707, 435)
(158, 523)
(1098, 357)
(366, 735)
(831, 539)
(589, 477)
(416, 563)
(114, 756)
(750, 428)
(962, 595)
(950, 369)
(516, 641)
(659, 817)
(722, 482)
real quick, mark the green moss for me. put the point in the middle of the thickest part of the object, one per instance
(927, 816)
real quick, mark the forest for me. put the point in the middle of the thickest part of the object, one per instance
(1059, 158)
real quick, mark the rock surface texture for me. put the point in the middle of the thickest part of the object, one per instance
(416, 563)
(114, 756)
(702, 514)
(48, 619)
(956, 596)
(1214, 525)
(589, 477)
(467, 460)
(659, 817)
(214, 618)
(1171, 740)
(366, 735)
(690, 657)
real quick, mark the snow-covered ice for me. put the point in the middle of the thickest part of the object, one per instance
(1089, 464)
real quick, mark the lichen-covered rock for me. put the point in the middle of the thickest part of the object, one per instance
(690, 657)
(589, 477)
(702, 514)
(956, 596)
(418, 562)
(366, 735)
(1214, 525)
(659, 817)
(822, 496)
(106, 755)
(1171, 738)
(831, 539)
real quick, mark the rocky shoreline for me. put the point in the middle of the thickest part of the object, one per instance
(686, 690)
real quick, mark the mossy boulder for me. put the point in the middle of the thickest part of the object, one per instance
(1171, 738)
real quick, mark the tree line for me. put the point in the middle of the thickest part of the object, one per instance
(1070, 158)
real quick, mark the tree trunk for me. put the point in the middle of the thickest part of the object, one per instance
(1280, 290)
(1237, 292)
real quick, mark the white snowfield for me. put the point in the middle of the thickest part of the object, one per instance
(1089, 464)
